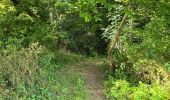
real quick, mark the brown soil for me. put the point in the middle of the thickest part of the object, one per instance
(91, 72)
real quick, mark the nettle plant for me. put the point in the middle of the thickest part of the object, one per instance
(122, 89)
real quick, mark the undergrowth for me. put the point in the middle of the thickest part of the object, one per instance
(117, 89)
(144, 80)
(36, 73)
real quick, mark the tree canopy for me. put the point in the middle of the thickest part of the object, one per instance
(133, 36)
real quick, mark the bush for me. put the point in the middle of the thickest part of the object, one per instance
(122, 90)
(118, 89)
(20, 67)
(146, 71)
(144, 80)
(149, 71)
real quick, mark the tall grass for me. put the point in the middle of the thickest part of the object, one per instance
(20, 67)
(35, 73)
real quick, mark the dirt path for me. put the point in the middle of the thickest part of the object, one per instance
(91, 72)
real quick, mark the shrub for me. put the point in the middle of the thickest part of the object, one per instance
(122, 90)
(143, 80)
(20, 66)
(118, 89)
(149, 71)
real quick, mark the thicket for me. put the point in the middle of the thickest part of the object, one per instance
(141, 56)
(36, 73)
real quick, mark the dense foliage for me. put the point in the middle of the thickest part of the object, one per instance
(33, 32)
(142, 58)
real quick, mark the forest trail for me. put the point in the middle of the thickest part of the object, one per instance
(93, 75)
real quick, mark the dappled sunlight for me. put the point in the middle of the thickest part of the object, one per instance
(84, 50)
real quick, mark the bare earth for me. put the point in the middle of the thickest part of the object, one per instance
(91, 72)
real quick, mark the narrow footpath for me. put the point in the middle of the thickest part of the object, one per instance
(91, 71)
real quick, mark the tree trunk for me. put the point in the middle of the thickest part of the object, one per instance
(113, 43)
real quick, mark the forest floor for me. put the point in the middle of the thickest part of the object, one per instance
(92, 73)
